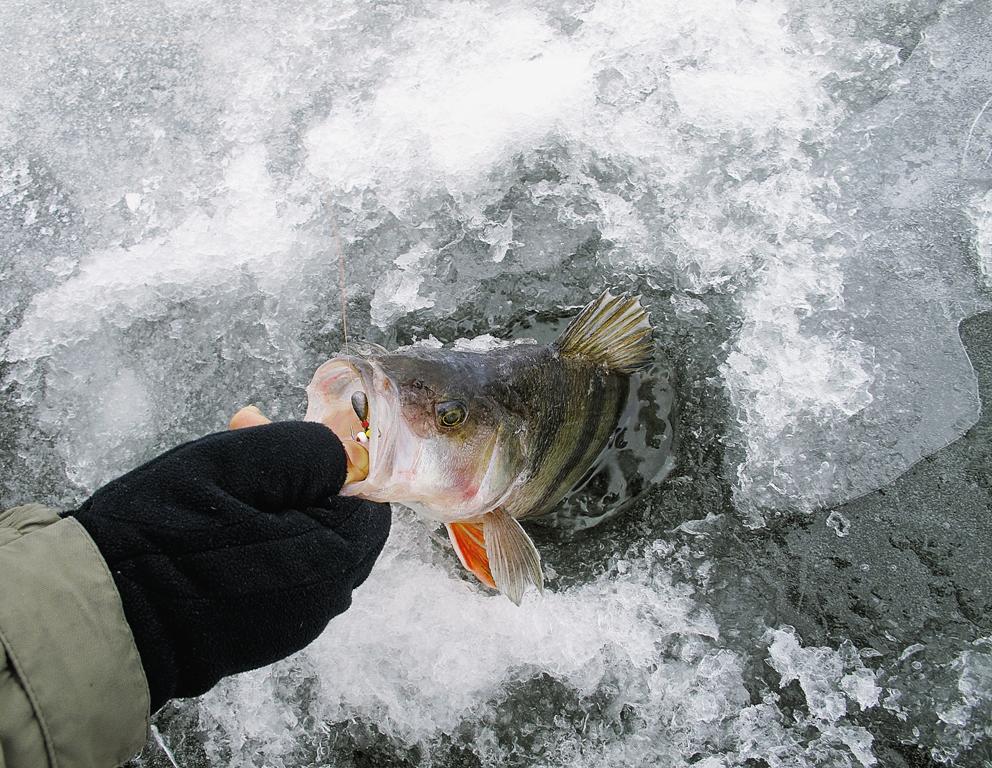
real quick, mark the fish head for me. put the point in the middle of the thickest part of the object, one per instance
(441, 438)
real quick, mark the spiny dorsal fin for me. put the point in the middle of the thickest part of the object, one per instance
(513, 558)
(613, 331)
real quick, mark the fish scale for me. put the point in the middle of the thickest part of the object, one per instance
(574, 435)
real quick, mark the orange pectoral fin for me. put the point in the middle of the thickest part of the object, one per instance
(470, 546)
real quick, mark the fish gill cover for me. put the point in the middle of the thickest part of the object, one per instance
(799, 191)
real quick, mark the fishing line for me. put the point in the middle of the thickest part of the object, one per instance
(971, 131)
(164, 747)
(361, 407)
(341, 282)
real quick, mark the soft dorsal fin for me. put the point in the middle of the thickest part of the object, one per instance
(613, 331)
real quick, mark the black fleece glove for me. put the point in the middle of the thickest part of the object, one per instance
(233, 551)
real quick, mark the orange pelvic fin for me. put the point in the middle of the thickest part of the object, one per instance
(470, 546)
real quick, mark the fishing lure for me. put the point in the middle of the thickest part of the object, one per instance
(360, 404)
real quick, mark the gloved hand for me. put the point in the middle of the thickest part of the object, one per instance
(233, 551)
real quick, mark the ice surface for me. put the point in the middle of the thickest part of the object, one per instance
(469, 646)
(630, 664)
(486, 342)
(709, 146)
(801, 192)
(470, 87)
(848, 420)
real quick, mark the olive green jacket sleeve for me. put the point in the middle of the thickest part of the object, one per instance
(73, 693)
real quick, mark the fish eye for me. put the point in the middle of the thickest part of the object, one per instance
(450, 413)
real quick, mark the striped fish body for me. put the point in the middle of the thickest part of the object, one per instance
(479, 440)
(574, 407)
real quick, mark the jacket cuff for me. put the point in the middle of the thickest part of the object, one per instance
(63, 628)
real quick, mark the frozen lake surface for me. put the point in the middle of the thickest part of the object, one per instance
(802, 193)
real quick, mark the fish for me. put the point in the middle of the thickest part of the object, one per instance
(481, 440)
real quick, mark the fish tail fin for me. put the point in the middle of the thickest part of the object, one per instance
(513, 559)
(613, 331)
(469, 543)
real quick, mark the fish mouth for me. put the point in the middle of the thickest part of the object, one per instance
(332, 399)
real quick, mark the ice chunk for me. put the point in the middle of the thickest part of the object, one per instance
(820, 673)
(838, 523)
(817, 670)
(700, 527)
(910, 650)
(859, 741)
(968, 716)
(686, 306)
(486, 342)
(500, 238)
(429, 343)
(860, 686)
(399, 290)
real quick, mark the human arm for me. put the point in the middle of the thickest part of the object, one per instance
(72, 690)
(219, 556)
